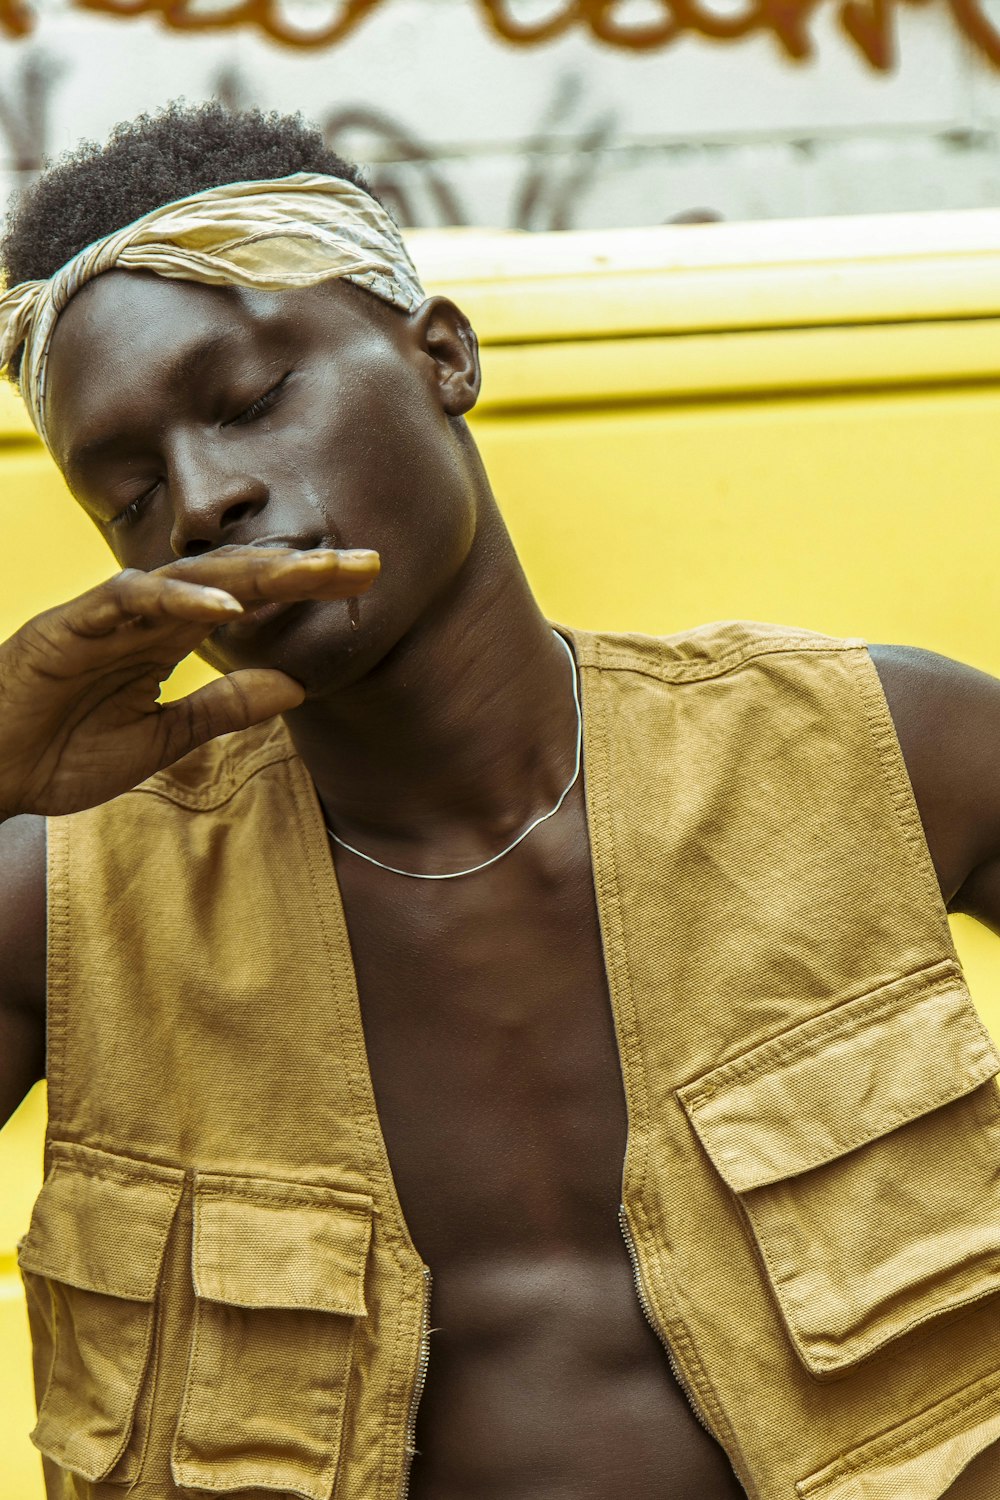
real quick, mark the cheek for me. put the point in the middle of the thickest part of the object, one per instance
(391, 464)
(112, 541)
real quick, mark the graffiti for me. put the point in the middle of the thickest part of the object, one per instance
(549, 190)
(868, 24)
(402, 170)
(411, 181)
(265, 16)
(558, 165)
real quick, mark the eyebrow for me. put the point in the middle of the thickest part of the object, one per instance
(185, 366)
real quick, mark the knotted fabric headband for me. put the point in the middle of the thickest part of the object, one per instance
(272, 236)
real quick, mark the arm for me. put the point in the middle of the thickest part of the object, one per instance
(80, 723)
(22, 959)
(947, 718)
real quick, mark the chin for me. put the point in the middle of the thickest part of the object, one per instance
(317, 643)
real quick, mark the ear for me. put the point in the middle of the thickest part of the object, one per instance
(446, 336)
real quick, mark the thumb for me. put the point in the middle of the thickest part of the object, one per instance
(229, 703)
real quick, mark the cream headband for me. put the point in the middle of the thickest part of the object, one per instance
(273, 236)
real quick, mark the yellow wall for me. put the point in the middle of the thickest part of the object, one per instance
(792, 423)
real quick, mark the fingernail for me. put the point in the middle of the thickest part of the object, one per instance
(359, 554)
(221, 600)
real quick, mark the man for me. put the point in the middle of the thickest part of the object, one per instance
(229, 1266)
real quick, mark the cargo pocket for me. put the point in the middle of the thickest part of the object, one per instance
(921, 1458)
(91, 1263)
(279, 1272)
(863, 1147)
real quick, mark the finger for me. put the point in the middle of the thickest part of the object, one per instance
(264, 574)
(132, 595)
(229, 703)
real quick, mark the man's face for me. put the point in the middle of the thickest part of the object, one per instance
(187, 417)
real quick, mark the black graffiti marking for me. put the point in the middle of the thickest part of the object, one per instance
(541, 200)
(25, 112)
(395, 145)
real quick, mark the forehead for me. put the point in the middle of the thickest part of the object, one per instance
(131, 337)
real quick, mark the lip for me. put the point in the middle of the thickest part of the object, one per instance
(299, 544)
(260, 616)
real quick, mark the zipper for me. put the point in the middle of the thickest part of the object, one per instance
(423, 1360)
(647, 1313)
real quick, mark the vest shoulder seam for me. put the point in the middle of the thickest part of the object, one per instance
(229, 780)
(616, 659)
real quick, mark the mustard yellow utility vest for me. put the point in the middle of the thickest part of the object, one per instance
(223, 1293)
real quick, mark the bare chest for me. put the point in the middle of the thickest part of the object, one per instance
(493, 1055)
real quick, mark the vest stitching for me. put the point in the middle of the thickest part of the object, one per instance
(286, 1195)
(338, 960)
(617, 659)
(870, 1345)
(890, 1445)
(680, 1338)
(622, 1000)
(152, 1365)
(224, 786)
(156, 1175)
(892, 1120)
(370, 1140)
(780, 1051)
(57, 969)
(394, 1455)
(883, 733)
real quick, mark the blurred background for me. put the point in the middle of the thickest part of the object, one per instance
(735, 267)
(552, 114)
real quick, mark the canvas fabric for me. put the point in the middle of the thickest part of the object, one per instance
(222, 1290)
(272, 235)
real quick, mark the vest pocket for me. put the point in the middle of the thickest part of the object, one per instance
(279, 1273)
(921, 1458)
(91, 1263)
(863, 1147)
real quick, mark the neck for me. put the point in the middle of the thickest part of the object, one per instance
(459, 737)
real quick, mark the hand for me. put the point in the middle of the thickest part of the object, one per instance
(79, 717)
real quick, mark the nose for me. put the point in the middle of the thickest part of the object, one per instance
(211, 502)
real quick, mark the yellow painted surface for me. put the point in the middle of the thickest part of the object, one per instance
(798, 423)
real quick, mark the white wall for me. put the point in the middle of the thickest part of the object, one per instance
(569, 134)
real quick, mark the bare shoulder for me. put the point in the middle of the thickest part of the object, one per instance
(22, 915)
(22, 959)
(947, 720)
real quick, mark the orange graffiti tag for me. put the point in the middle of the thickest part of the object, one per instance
(869, 24)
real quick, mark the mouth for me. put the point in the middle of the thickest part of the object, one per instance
(259, 616)
(332, 538)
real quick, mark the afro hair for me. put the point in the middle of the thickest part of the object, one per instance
(147, 162)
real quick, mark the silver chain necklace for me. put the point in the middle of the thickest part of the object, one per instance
(415, 874)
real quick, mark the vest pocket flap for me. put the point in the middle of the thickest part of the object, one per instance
(842, 1079)
(862, 1146)
(265, 1244)
(92, 1261)
(100, 1223)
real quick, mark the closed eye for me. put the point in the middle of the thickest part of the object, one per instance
(257, 408)
(133, 508)
(260, 406)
